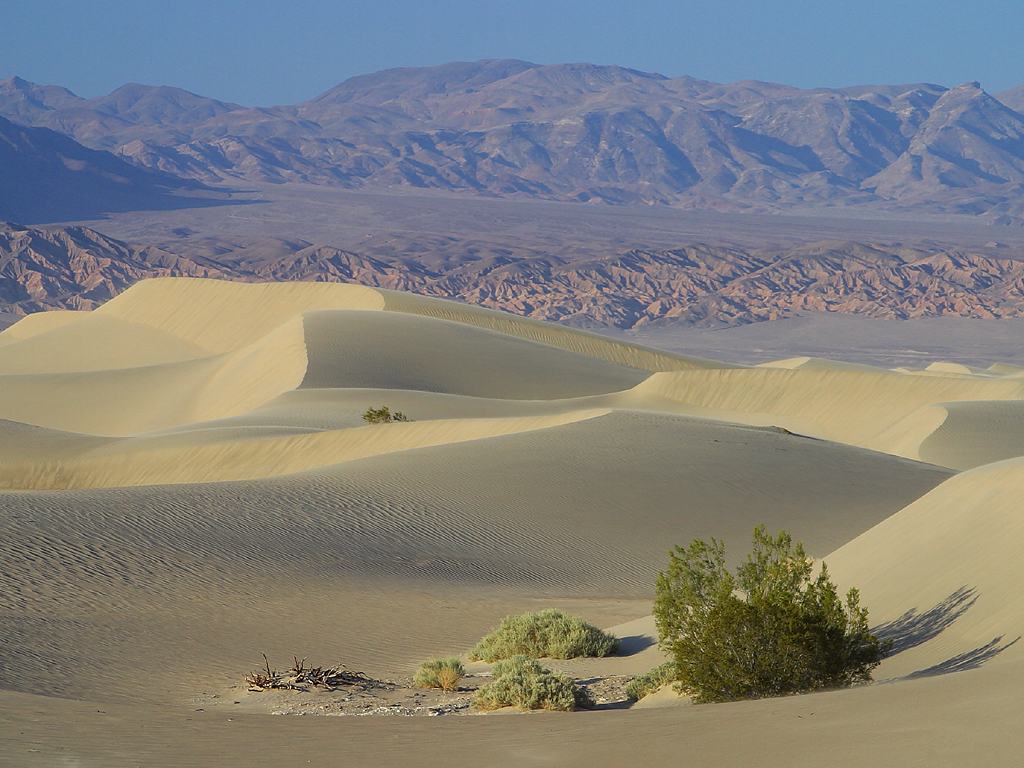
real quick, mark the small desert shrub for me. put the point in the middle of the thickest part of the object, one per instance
(650, 681)
(383, 415)
(439, 673)
(523, 683)
(545, 634)
(769, 630)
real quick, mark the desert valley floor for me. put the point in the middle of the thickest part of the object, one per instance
(186, 483)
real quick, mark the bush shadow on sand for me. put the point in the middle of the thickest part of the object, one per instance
(915, 628)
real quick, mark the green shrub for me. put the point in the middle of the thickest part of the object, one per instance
(383, 415)
(650, 681)
(545, 634)
(523, 683)
(767, 631)
(439, 673)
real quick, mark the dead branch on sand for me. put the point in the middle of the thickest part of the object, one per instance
(302, 678)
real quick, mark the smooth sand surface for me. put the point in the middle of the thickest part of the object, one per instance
(882, 410)
(203, 489)
(955, 554)
(976, 433)
(72, 346)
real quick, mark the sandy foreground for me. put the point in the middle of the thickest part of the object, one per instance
(186, 483)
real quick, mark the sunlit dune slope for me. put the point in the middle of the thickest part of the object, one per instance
(39, 322)
(94, 342)
(138, 399)
(975, 433)
(882, 410)
(943, 576)
(218, 315)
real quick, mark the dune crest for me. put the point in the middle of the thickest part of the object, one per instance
(221, 455)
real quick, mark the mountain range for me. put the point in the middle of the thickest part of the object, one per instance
(700, 284)
(47, 176)
(576, 132)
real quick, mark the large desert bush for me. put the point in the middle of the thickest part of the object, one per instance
(771, 629)
(383, 415)
(439, 673)
(545, 634)
(523, 683)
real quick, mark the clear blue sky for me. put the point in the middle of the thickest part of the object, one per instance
(280, 51)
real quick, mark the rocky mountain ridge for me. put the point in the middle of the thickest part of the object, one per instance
(701, 284)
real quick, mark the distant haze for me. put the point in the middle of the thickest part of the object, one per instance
(260, 52)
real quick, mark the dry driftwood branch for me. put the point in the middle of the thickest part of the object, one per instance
(302, 678)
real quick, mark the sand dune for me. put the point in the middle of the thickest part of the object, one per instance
(138, 399)
(589, 344)
(217, 455)
(219, 316)
(400, 351)
(876, 409)
(945, 366)
(93, 342)
(39, 322)
(976, 433)
(805, 363)
(261, 340)
(551, 511)
(955, 556)
(189, 483)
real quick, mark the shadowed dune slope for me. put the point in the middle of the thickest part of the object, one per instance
(581, 342)
(399, 351)
(26, 444)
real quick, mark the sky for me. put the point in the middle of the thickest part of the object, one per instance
(263, 52)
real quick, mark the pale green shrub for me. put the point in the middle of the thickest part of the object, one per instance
(523, 683)
(383, 415)
(545, 634)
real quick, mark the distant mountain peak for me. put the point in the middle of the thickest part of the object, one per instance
(422, 81)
